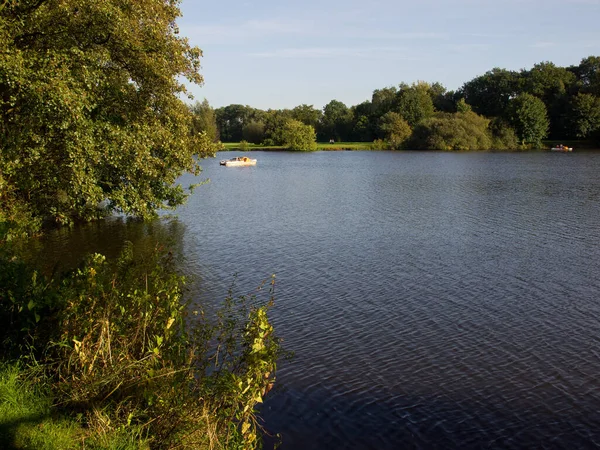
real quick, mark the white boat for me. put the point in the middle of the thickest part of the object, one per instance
(239, 161)
(561, 148)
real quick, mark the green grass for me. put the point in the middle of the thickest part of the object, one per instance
(28, 420)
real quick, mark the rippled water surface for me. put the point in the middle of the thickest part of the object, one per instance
(432, 300)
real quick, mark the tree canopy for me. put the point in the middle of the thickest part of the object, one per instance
(91, 109)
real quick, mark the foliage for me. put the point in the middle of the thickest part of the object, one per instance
(490, 93)
(588, 74)
(204, 119)
(585, 115)
(414, 102)
(244, 146)
(336, 123)
(394, 129)
(308, 115)
(254, 132)
(299, 137)
(275, 122)
(459, 131)
(528, 116)
(90, 105)
(503, 135)
(118, 348)
(231, 120)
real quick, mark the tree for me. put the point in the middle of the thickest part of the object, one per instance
(588, 73)
(585, 115)
(299, 137)
(275, 122)
(308, 115)
(91, 108)
(528, 116)
(204, 120)
(489, 94)
(254, 132)
(458, 131)
(337, 121)
(383, 101)
(394, 129)
(231, 120)
(414, 102)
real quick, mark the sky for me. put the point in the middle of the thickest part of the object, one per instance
(281, 54)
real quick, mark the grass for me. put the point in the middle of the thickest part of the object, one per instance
(320, 146)
(28, 420)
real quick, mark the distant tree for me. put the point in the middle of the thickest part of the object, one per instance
(503, 135)
(383, 101)
(91, 111)
(299, 137)
(363, 126)
(489, 94)
(395, 130)
(414, 102)
(254, 132)
(275, 122)
(204, 119)
(458, 131)
(585, 115)
(528, 116)
(231, 120)
(308, 115)
(337, 121)
(588, 74)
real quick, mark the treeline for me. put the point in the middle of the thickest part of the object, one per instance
(501, 109)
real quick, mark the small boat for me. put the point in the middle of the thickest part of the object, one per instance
(239, 161)
(561, 148)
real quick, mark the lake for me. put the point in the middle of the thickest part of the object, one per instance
(432, 300)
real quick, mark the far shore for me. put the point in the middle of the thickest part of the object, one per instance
(340, 146)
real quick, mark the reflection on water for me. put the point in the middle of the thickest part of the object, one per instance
(432, 300)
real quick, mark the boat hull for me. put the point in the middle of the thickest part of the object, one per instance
(230, 163)
(564, 149)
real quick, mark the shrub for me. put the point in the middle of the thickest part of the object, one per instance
(299, 137)
(122, 349)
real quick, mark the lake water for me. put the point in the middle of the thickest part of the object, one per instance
(432, 300)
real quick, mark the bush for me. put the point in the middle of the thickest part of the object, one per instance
(299, 137)
(120, 348)
(458, 131)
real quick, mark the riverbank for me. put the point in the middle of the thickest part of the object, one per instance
(104, 356)
(356, 146)
(323, 146)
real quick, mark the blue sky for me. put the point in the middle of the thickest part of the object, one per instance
(278, 54)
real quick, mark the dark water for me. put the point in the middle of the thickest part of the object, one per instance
(432, 300)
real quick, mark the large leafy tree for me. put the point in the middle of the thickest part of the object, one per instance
(489, 94)
(205, 120)
(528, 116)
(459, 131)
(231, 120)
(588, 74)
(337, 121)
(308, 115)
(585, 116)
(90, 108)
(394, 129)
(415, 102)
